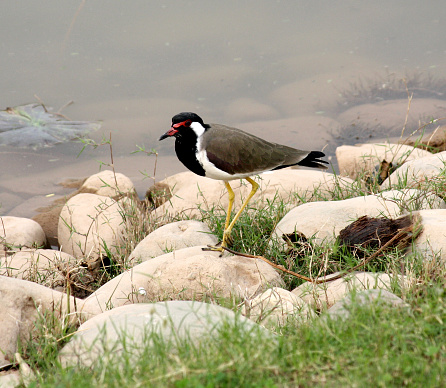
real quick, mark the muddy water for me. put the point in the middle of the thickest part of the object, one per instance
(275, 68)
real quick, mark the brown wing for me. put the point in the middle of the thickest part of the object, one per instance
(238, 152)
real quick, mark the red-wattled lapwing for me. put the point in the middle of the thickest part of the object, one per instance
(224, 153)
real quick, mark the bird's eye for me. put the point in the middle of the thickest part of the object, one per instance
(187, 123)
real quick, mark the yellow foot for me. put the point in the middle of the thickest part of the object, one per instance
(216, 248)
(213, 248)
(227, 241)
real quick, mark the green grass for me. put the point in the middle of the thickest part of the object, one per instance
(377, 346)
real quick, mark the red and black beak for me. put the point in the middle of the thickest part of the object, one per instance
(174, 129)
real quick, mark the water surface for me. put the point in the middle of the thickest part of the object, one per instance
(275, 68)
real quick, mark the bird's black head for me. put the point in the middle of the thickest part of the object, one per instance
(182, 121)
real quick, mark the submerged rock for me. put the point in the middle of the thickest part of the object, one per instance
(32, 126)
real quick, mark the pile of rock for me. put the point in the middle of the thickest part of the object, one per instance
(169, 265)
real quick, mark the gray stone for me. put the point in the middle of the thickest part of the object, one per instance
(356, 160)
(342, 309)
(324, 295)
(418, 173)
(89, 222)
(187, 274)
(275, 307)
(101, 339)
(21, 304)
(17, 232)
(173, 236)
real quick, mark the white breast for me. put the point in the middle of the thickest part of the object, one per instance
(215, 173)
(210, 169)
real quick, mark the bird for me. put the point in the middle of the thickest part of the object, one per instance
(224, 153)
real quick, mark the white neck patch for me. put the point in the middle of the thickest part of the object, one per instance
(198, 128)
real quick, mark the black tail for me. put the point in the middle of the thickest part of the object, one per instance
(312, 160)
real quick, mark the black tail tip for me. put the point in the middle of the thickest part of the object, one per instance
(312, 160)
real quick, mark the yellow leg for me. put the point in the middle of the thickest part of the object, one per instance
(231, 201)
(229, 226)
(228, 229)
(231, 197)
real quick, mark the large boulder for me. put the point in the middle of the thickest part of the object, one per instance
(419, 173)
(91, 224)
(109, 184)
(44, 266)
(325, 295)
(325, 219)
(361, 159)
(173, 236)
(133, 328)
(188, 274)
(17, 233)
(22, 302)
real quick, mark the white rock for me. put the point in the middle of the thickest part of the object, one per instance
(432, 241)
(87, 222)
(327, 294)
(108, 184)
(17, 232)
(43, 266)
(173, 236)
(101, 339)
(413, 199)
(362, 158)
(10, 380)
(371, 298)
(275, 306)
(21, 303)
(189, 274)
(415, 173)
(324, 220)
